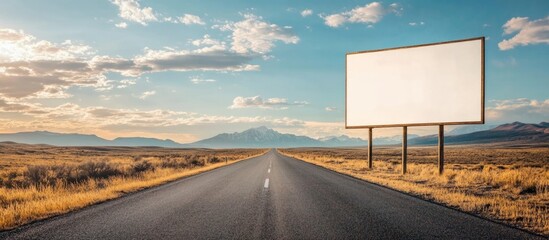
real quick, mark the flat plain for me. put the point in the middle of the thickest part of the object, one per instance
(504, 183)
(267, 197)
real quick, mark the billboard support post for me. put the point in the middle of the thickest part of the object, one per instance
(440, 149)
(370, 143)
(404, 148)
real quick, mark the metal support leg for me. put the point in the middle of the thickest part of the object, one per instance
(440, 149)
(404, 148)
(370, 143)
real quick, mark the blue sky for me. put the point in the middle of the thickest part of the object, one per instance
(186, 70)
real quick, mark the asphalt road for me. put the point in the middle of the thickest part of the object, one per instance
(268, 197)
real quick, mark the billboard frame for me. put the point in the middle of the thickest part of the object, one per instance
(482, 82)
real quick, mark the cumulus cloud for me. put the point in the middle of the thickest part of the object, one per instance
(213, 58)
(48, 69)
(306, 12)
(7, 105)
(258, 102)
(515, 24)
(131, 10)
(254, 35)
(45, 68)
(206, 40)
(19, 46)
(334, 20)
(370, 13)
(11, 35)
(527, 32)
(330, 109)
(189, 19)
(521, 109)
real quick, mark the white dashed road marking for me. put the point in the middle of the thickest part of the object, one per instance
(266, 183)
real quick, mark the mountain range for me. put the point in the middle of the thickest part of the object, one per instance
(76, 139)
(263, 137)
(516, 132)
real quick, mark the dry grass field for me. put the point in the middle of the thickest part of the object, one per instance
(507, 184)
(39, 181)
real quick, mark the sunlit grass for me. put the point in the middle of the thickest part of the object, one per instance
(38, 182)
(491, 182)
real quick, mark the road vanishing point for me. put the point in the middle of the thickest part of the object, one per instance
(267, 197)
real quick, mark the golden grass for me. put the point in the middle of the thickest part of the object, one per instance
(23, 201)
(509, 185)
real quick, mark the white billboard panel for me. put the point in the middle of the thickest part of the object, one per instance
(432, 84)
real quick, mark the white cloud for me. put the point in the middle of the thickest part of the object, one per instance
(48, 69)
(514, 24)
(121, 25)
(19, 46)
(125, 122)
(306, 12)
(206, 40)
(115, 122)
(370, 13)
(527, 32)
(213, 58)
(170, 19)
(189, 19)
(413, 24)
(253, 35)
(258, 102)
(11, 35)
(330, 109)
(131, 10)
(147, 94)
(335, 20)
(521, 109)
(126, 83)
(41, 69)
(197, 80)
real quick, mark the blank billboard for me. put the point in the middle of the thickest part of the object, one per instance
(432, 84)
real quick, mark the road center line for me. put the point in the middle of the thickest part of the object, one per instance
(269, 171)
(266, 183)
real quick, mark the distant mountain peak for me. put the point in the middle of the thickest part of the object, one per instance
(261, 129)
(76, 139)
(339, 138)
(260, 137)
(519, 126)
(44, 132)
(517, 132)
